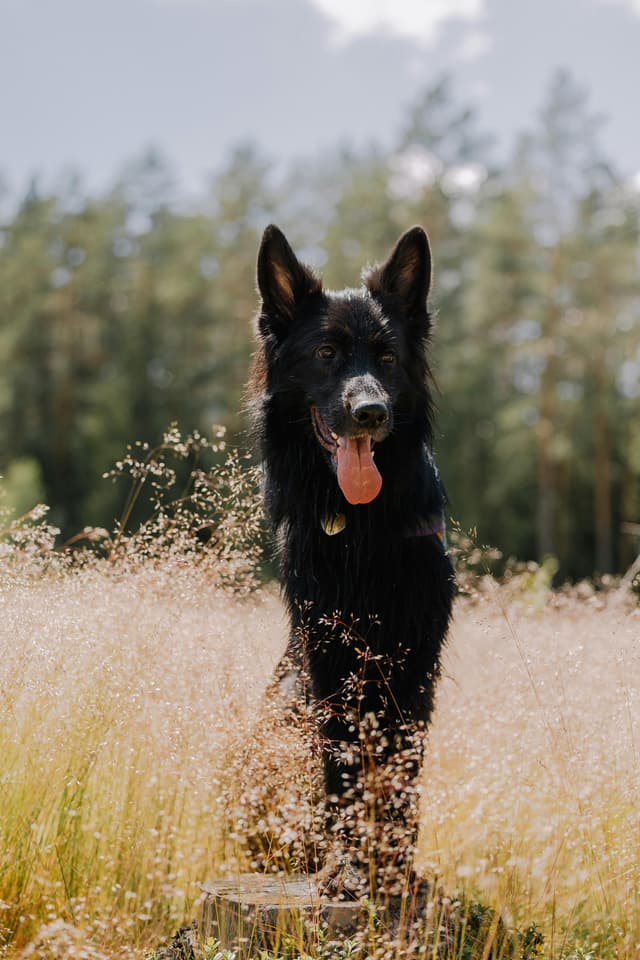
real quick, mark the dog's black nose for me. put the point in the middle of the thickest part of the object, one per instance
(370, 413)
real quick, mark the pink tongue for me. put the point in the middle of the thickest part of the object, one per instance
(358, 476)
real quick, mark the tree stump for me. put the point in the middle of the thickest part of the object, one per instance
(253, 912)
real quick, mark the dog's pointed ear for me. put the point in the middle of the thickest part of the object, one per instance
(282, 282)
(407, 272)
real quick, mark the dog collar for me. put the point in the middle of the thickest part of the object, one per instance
(433, 526)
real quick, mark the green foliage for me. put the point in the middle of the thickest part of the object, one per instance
(207, 515)
(121, 313)
(22, 485)
(189, 500)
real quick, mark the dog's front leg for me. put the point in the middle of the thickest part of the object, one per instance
(346, 872)
(371, 780)
(393, 779)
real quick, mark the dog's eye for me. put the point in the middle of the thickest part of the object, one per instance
(388, 357)
(326, 352)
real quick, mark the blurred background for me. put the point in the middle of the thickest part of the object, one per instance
(145, 144)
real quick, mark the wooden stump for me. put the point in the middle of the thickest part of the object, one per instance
(253, 912)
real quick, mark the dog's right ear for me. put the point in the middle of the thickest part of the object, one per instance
(406, 274)
(282, 282)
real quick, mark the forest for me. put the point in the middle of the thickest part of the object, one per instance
(125, 311)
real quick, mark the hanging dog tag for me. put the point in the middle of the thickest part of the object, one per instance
(334, 524)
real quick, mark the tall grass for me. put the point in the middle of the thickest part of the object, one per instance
(134, 757)
(120, 696)
(532, 787)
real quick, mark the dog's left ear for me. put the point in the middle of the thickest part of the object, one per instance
(407, 272)
(283, 282)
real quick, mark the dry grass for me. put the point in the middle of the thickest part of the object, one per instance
(127, 699)
(532, 787)
(120, 698)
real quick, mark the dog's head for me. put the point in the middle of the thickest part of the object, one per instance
(356, 357)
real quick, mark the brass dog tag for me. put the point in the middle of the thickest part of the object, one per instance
(334, 524)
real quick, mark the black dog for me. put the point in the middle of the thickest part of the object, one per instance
(344, 419)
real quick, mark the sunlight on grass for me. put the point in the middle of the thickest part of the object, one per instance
(119, 697)
(136, 760)
(532, 788)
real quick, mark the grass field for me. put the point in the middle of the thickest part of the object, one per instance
(130, 712)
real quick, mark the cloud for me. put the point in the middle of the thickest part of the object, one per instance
(632, 5)
(476, 43)
(417, 19)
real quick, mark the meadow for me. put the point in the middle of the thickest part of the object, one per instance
(135, 744)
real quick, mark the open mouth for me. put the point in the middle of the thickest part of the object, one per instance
(326, 438)
(358, 477)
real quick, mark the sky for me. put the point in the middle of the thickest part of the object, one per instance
(89, 84)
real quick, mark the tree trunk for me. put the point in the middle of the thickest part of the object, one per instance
(602, 487)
